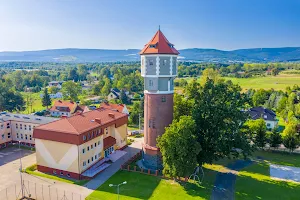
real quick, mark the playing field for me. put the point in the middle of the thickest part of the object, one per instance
(279, 82)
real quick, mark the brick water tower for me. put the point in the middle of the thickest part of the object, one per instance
(159, 68)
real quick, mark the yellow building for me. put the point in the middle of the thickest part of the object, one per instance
(79, 146)
(19, 128)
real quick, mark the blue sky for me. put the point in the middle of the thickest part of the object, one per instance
(123, 24)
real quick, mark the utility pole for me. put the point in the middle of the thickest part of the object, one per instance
(139, 122)
(22, 185)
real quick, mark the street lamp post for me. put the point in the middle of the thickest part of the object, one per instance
(22, 189)
(118, 187)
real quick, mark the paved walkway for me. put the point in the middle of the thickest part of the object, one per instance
(133, 149)
(225, 182)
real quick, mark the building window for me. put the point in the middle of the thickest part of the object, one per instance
(268, 124)
(106, 131)
(83, 151)
(150, 62)
(7, 125)
(30, 137)
(25, 137)
(163, 99)
(25, 127)
(17, 135)
(98, 143)
(54, 171)
(150, 83)
(84, 163)
(95, 144)
(164, 62)
(88, 161)
(8, 135)
(92, 159)
(95, 157)
(20, 126)
(68, 175)
(29, 127)
(21, 136)
(88, 148)
(152, 46)
(1, 126)
(84, 138)
(16, 125)
(99, 155)
(3, 137)
(61, 173)
(92, 146)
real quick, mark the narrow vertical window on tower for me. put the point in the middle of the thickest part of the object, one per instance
(151, 62)
(165, 62)
(150, 83)
(163, 99)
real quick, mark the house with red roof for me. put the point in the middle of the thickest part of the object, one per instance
(66, 108)
(116, 107)
(80, 146)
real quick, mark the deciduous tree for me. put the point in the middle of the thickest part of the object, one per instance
(46, 101)
(179, 147)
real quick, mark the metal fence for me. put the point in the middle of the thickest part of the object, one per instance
(37, 191)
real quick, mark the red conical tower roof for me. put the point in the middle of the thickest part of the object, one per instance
(159, 45)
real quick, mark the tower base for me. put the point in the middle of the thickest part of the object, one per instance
(151, 158)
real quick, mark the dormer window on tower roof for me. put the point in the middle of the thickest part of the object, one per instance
(171, 45)
(152, 45)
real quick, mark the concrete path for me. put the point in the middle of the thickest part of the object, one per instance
(225, 182)
(285, 172)
(131, 150)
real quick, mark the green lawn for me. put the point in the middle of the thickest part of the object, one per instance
(252, 182)
(279, 82)
(33, 171)
(36, 105)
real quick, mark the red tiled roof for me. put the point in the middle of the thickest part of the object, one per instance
(108, 142)
(67, 130)
(162, 45)
(111, 106)
(69, 106)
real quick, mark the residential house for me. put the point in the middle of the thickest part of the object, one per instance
(268, 115)
(80, 146)
(116, 107)
(58, 95)
(66, 108)
(56, 84)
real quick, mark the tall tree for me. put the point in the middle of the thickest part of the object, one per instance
(46, 101)
(290, 136)
(258, 129)
(217, 113)
(275, 138)
(182, 106)
(73, 75)
(10, 100)
(210, 73)
(107, 86)
(123, 97)
(71, 90)
(259, 97)
(179, 147)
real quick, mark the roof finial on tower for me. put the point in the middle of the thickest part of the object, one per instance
(159, 27)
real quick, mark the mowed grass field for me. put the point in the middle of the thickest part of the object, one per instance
(253, 182)
(279, 82)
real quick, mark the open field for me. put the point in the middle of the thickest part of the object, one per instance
(279, 82)
(253, 182)
(36, 104)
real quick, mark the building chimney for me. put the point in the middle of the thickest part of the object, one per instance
(112, 115)
(98, 120)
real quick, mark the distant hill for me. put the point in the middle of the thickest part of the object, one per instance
(195, 54)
